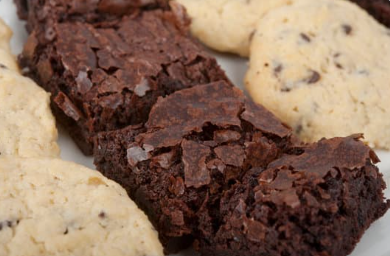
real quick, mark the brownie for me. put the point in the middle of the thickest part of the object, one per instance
(106, 75)
(38, 13)
(380, 9)
(317, 200)
(197, 144)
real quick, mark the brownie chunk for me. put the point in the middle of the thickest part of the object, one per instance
(196, 145)
(107, 75)
(318, 200)
(380, 9)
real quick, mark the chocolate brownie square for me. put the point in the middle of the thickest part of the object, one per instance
(317, 201)
(197, 143)
(379, 9)
(106, 75)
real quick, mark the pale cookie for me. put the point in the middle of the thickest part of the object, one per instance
(6, 57)
(27, 126)
(323, 67)
(52, 207)
(228, 25)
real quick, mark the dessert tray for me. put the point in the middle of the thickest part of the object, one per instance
(374, 242)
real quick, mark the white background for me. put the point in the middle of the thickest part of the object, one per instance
(375, 242)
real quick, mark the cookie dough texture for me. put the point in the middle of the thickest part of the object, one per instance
(228, 25)
(51, 207)
(27, 126)
(6, 57)
(323, 67)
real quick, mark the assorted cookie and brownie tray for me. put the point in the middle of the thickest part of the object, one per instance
(207, 165)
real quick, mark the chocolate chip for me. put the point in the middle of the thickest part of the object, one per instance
(347, 29)
(278, 69)
(8, 223)
(339, 66)
(102, 215)
(285, 89)
(314, 78)
(305, 37)
(66, 231)
(3, 66)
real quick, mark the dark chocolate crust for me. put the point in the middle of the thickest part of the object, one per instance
(317, 201)
(379, 9)
(197, 143)
(107, 75)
